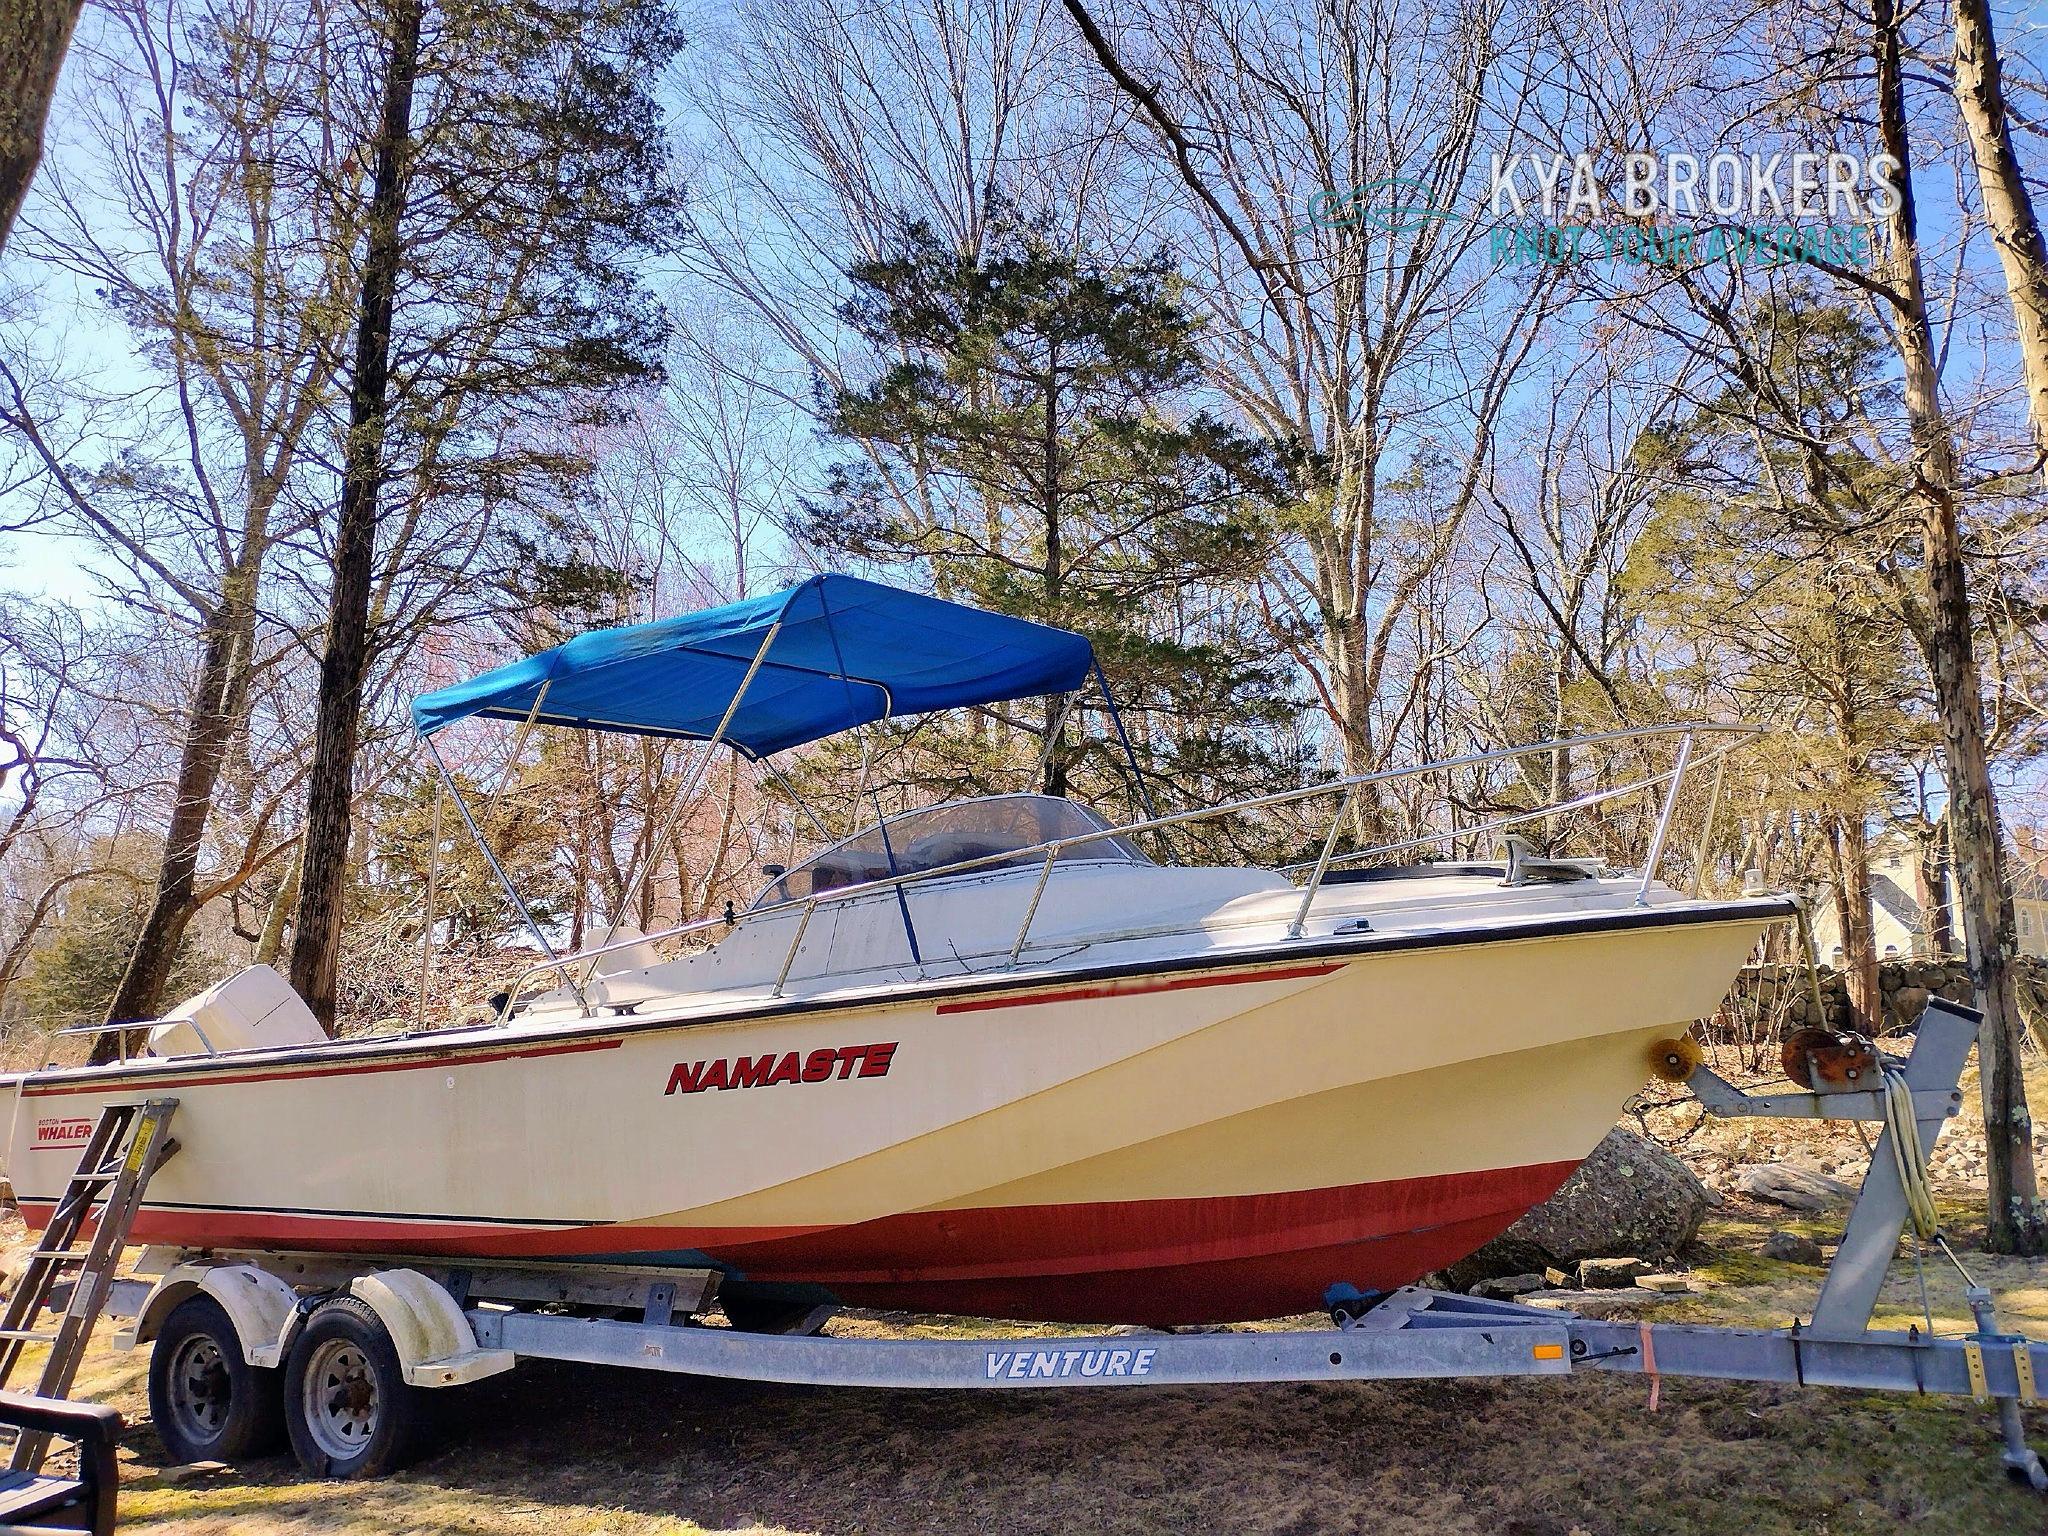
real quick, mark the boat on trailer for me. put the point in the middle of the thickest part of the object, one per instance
(986, 1057)
(996, 1057)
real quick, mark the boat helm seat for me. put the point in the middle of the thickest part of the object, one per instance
(942, 848)
(830, 871)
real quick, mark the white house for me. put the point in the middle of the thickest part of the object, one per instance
(1902, 905)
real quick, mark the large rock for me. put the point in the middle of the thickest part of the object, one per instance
(1630, 1199)
(1794, 1187)
(1792, 1248)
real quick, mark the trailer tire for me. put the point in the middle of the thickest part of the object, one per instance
(207, 1401)
(346, 1401)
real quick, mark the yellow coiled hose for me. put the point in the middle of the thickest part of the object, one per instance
(1908, 1155)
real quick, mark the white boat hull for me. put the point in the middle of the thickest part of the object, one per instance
(1219, 1138)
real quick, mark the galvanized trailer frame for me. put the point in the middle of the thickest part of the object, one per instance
(453, 1322)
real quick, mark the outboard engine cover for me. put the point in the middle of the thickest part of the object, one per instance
(256, 1007)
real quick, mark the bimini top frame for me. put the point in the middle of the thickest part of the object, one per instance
(824, 656)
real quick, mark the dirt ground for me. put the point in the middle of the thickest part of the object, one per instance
(572, 1449)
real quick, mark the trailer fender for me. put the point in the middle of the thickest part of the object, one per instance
(434, 1341)
(262, 1307)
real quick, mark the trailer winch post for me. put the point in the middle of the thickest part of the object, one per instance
(1941, 1046)
(1877, 1220)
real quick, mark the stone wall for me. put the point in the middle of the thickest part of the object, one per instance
(1769, 1001)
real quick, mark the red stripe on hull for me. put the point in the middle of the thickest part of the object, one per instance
(231, 1077)
(1134, 988)
(1220, 1259)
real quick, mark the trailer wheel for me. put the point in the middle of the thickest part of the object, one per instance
(346, 1401)
(209, 1404)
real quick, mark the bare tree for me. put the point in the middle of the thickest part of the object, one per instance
(1575, 489)
(34, 35)
(224, 265)
(1846, 86)
(1342, 154)
(59, 755)
(2008, 203)
(2017, 1224)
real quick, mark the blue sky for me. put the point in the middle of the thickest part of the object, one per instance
(69, 317)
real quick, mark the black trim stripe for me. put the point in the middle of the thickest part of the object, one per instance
(566, 1222)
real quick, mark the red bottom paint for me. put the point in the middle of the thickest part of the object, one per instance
(1220, 1259)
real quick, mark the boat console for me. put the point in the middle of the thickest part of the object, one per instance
(992, 832)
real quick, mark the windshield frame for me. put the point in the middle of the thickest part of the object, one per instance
(896, 867)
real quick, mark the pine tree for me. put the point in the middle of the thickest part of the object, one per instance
(1031, 445)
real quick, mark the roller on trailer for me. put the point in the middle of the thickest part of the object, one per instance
(333, 1351)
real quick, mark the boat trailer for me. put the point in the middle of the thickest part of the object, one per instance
(448, 1322)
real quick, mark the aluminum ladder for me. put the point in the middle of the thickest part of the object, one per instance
(128, 1144)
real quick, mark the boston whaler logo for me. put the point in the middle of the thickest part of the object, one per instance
(62, 1133)
(766, 1071)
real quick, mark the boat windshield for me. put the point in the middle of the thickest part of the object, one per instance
(953, 834)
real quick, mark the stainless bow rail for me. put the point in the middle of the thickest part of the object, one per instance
(1050, 853)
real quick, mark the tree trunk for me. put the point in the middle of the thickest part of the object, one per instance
(1560, 757)
(2016, 1224)
(2008, 206)
(1859, 941)
(210, 727)
(1055, 782)
(1941, 932)
(323, 870)
(271, 941)
(1346, 647)
(34, 36)
(1848, 830)
(1844, 918)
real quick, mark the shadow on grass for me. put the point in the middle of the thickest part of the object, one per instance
(565, 1449)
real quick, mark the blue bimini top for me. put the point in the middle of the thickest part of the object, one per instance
(844, 652)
